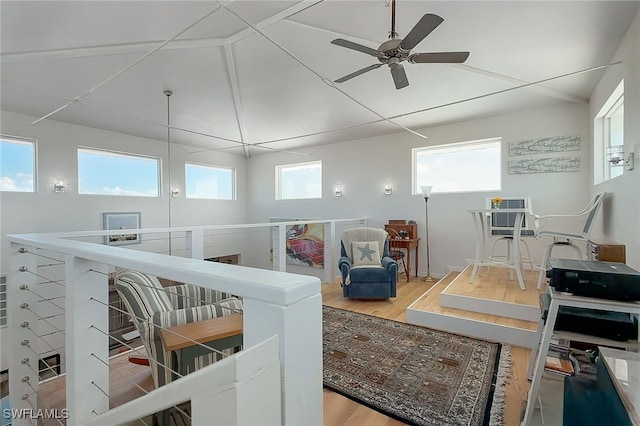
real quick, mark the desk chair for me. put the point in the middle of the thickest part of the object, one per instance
(501, 226)
(396, 252)
(543, 224)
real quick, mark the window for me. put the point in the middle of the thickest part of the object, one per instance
(608, 132)
(112, 173)
(614, 134)
(17, 164)
(299, 181)
(216, 183)
(458, 167)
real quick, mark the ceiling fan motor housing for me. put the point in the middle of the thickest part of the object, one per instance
(390, 50)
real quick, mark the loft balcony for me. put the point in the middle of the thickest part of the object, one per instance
(59, 305)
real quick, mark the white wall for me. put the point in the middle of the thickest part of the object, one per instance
(46, 211)
(622, 206)
(363, 166)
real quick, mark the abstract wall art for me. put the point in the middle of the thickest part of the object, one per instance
(544, 145)
(544, 165)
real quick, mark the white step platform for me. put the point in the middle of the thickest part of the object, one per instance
(492, 308)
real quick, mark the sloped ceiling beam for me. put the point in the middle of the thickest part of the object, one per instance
(136, 47)
(237, 102)
(111, 49)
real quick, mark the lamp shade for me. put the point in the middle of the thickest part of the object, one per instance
(426, 190)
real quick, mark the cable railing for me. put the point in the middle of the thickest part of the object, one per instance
(67, 326)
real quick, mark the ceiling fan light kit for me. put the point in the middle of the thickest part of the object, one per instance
(395, 50)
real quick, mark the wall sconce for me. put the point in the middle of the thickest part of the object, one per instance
(615, 154)
(337, 190)
(175, 192)
(388, 189)
(60, 186)
(629, 161)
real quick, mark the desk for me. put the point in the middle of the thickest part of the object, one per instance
(546, 330)
(218, 333)
(408, 245)
(481, 218)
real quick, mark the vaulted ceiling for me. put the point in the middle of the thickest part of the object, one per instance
(251, 77)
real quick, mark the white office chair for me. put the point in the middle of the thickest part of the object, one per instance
(560, 238)
(501, 226)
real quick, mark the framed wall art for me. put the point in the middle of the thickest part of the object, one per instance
(121, 220)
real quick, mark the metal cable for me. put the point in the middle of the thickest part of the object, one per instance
(146, 392)
(145, 320)
(47, 265)
(38, 372)
(39, 359)
(134, 63)
(60, 262)
(47, 407)
(29, 402)
(137, 351)
(120, 374)
(45, 320)
(323, 78)
(48, 334)
(203, 302)
(48, 280)
(43, 299)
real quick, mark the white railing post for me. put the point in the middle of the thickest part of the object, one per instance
(279, 243)
(87, 300)
(23, 326)
(195, 243)
(299, 326)
(329, 248)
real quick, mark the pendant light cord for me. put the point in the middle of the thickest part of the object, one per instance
(168, 94)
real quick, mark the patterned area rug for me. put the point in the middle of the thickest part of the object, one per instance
(414, 374)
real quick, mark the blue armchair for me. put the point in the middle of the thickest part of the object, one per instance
(366, 268)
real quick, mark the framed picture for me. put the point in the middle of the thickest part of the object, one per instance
(121, 220)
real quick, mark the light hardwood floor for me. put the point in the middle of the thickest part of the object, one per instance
(339, 410)
(126, 378)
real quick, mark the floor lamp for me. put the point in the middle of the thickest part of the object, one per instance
(426, 193)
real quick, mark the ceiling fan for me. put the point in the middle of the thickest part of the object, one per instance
(396, 50)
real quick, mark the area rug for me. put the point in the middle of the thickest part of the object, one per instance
(414, 374)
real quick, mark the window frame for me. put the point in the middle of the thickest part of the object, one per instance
(278, 179)
(34, 163)
(602, 169)
(613, 170)
(210, 166)
(114, 153)
(455, 146)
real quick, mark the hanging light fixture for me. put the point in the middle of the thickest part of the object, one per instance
(168, 94)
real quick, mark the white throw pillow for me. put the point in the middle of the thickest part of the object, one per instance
(366, 253)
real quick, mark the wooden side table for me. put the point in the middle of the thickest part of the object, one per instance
(216, 333)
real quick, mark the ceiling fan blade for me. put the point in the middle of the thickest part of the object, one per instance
(399, 76)
(355, 46)
(357, 73)
(439, 58)
(423, 28)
